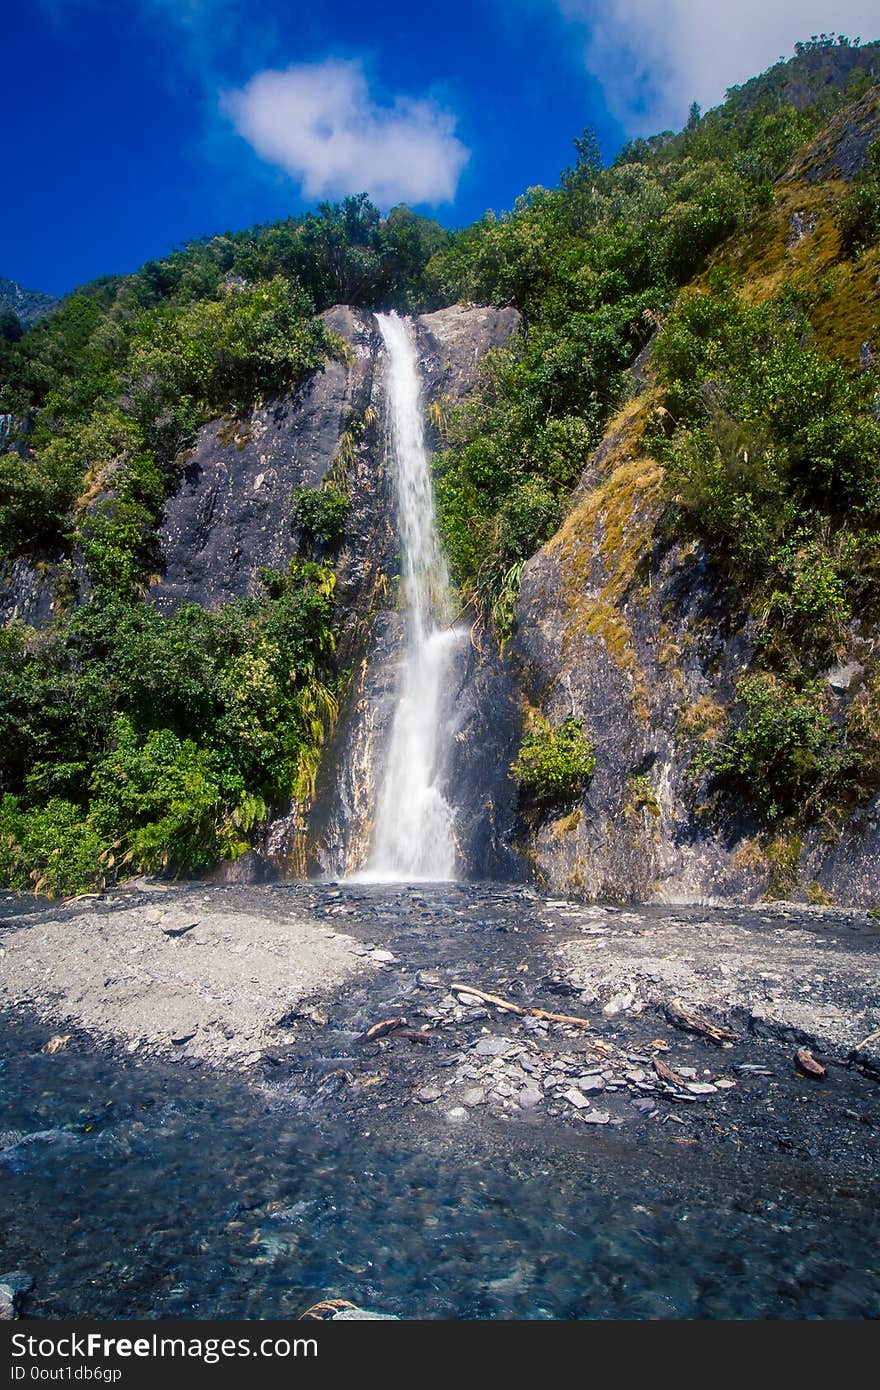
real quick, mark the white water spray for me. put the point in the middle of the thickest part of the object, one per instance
(413, 837)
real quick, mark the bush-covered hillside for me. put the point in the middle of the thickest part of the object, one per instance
(745, 249)
(595, 265)
(138, 740)
(132, 739)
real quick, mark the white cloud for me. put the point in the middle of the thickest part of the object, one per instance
(319, 123)
(654, 57)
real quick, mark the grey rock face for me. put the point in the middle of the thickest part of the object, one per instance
(627, 635)
(634, 636)
(843, 678)
(452, 344)
(231, 514)
(27, 593)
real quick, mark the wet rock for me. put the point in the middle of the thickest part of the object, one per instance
(492, 1047)
(13, 1288)
(363, 1315)
(643, 1106)
(596, 1117)
(428, 1094)
(457, 1115)
(475, 1095)
(529, 1097)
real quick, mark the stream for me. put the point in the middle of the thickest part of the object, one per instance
(134, 1186)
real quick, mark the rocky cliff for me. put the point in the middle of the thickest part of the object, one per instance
(635, 635)
(617, 625)
(29, 306)
(230, 517)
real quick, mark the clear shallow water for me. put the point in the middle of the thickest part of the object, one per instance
(158, 1191)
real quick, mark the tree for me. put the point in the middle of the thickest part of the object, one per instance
(11, 329)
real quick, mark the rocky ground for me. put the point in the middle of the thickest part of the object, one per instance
(371, 1000)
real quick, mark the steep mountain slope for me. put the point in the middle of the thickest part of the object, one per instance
(652, 392)
(647, 636)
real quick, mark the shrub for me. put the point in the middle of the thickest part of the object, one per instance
(779, 752)
(164, 801)
(318, 516)
(554, 765)
(118, 542)
(529, 516)
(50, 849)
(860, 211)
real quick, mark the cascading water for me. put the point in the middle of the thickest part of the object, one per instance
(413, 837)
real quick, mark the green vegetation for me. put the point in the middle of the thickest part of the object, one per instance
(781, 752)
(860, 213)
(772, 457)
(593, 265)
(139, 741)
(318, 516)
(554, 765)
(135, 741)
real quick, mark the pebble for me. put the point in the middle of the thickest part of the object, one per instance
(644, 1107)
(701, 1088)
(618, 1003)
(576, 1098)
(451, 1061)
(590, 1085)
(428, 1094)
(529, 1097)
(492, 1047)
(428, 979)
(596, 1117)
(457, 1115)
(475, 1096)
(383, 957)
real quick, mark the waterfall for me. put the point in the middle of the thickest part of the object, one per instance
(413, 837)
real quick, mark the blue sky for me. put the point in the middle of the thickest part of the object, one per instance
(132, 125)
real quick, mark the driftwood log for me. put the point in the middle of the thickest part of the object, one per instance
(508, 1006)
(807, 1064)
(380, 1029)
(666, 1074)
(682, 1017)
